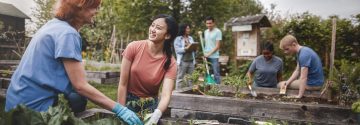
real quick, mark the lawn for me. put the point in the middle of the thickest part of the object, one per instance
(109, 90)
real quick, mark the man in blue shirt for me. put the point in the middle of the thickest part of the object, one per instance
(213, 36)
(309, 67)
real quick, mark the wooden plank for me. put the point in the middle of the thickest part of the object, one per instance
(102, 74)
(95, 74)
(270, 91)
(2, 93)
(259, 108)
(114, 80)
(10, 47)
(234, 119)
(4, 83)
(9, 62)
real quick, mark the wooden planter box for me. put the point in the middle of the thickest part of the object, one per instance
(103, 77)
(191, 106)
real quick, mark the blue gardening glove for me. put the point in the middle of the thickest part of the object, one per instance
(127, 115)
(155, 116)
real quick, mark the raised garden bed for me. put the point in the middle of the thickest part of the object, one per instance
(101, 72)
(185, 104)
(103, 77)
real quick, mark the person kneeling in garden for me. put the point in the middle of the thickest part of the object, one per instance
(147, 65)
(51, 65)
(309, 68)
(266, 67)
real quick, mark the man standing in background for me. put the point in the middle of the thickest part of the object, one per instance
(213, 36)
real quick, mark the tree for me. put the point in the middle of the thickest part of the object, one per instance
(131, 18)
(43, 12)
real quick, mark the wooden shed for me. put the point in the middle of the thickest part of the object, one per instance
(12, 30)
(246, 35)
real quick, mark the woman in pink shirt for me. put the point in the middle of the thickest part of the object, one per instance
(147, 65)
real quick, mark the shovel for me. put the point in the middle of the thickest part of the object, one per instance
(208, 79)
(252, 92)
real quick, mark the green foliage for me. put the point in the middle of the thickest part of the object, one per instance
(237, 82)
(214, 91)
(198, 72)
(131, 19)
(58, 115)
(1, 25)
(241, 70)
(345, 81)
(355, 107)
(110, 90)
(314, 32)
(43, 12)
(141, 103)
(101, 66)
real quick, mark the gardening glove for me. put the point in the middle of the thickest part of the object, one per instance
(155, 116)
(127, 115)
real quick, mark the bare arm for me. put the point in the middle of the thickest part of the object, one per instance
(294, 75)
(166, 92)
(76, 72)
(124, 79)
(250, 76)
(303, 80)
(214, 49)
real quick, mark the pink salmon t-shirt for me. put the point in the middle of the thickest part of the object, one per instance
(147, 72)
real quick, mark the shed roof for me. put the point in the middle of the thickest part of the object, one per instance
(11, 10)
(260, 19)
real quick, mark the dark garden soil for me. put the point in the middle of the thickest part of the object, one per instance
(274, 97)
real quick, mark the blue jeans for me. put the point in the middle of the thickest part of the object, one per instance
(76, 102)
(216, 68)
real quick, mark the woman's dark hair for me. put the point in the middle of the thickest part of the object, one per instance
(172, 30)
(182, 29)
(268, 46)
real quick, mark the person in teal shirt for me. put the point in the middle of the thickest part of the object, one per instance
(51, 65)
(213, 37)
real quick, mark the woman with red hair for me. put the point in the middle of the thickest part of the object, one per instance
(51, 65)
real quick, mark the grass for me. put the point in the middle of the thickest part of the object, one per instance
(109, 90)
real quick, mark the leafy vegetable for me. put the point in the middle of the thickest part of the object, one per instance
(58, 115)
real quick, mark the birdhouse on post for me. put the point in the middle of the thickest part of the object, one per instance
(246, 35)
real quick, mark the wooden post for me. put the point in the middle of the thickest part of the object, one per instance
(113, 45)
(332, 58)
(333, 40)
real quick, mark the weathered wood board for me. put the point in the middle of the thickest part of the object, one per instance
(103, 77)
(189, 105)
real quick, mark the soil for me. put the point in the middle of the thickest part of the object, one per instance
(275, 97)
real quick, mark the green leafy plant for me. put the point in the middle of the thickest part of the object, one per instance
(355, 107)
(345, 81)
(237, 82)
(214, 91)
(141, 103)
(58, 115)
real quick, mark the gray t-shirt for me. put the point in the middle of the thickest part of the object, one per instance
(266, 71)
